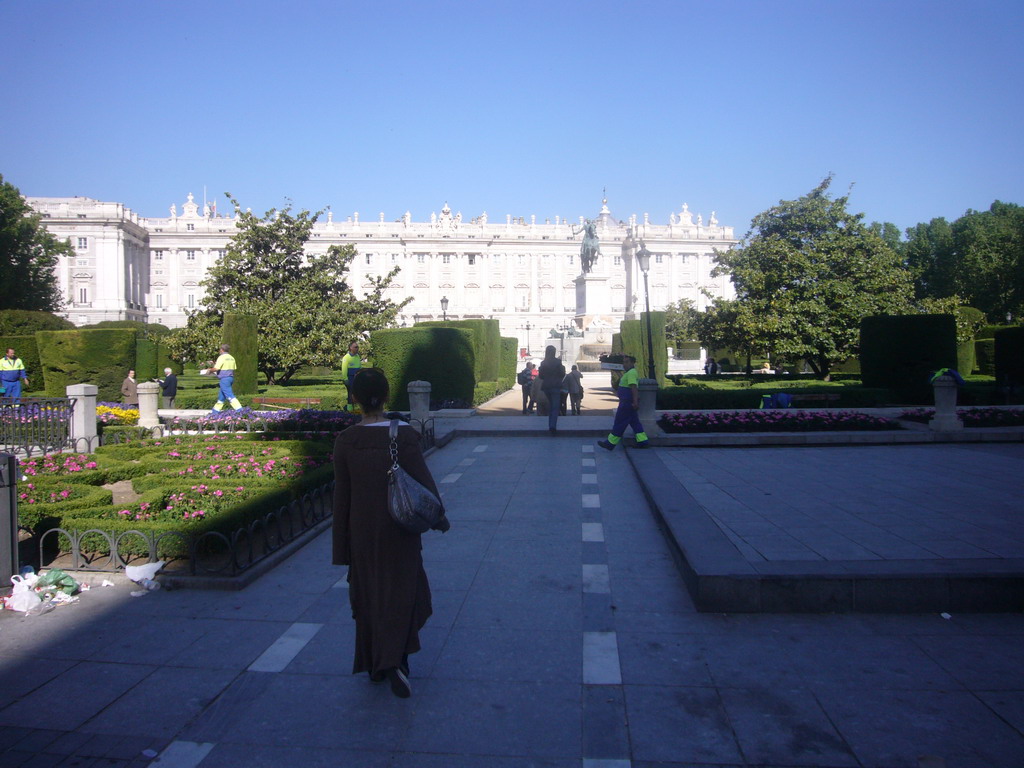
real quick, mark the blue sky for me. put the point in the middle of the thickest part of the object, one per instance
(516, 107)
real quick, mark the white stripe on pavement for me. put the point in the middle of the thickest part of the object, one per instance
(601, 659)
(593, 532)
(589, 479)
(591, 500)
(588, 449)
(183, 754)
(589, 462)
(595, 579)
(466, 462)
(452, 477)
(280, 654)
(480, 449)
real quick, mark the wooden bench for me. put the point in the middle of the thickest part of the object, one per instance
(286, 402)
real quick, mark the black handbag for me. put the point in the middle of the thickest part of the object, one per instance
(412, 506)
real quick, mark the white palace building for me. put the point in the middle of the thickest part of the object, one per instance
(523, 272)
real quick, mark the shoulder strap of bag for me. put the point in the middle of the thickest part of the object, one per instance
(393, 435)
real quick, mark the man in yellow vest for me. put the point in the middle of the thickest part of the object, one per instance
(629, 403)
(351, 364)
(225, 370)
(12, 374)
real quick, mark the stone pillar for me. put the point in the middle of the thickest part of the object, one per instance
(83, 417)
(149, 395)
(419, 400)
(648, 395)
(945, 418)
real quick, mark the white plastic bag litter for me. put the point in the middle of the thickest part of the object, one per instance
(24, 598)
(140, 573)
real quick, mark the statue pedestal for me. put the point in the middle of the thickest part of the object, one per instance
(593, 295)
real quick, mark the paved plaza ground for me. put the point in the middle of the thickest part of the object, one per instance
(563, 632)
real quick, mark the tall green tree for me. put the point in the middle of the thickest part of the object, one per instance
(979, 257)
(807, 273)
(306, 311)
(28, 256)
(929, 255)
(681, 320)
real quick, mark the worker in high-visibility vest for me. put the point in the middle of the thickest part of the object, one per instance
(351, 364)
(225, 370)
(12, 374)
(629, 403)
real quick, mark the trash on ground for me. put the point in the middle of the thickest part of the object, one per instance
(945, 616)
(106, 583)
(139, 573)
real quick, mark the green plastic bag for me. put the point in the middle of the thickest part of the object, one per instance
(56, 580)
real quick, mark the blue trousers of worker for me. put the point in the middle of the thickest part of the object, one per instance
(226, 394)
(626, 416)
(13, 392)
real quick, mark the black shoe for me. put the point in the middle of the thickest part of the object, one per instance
(378, 677)
(399, 683)
(606, 445)
(643, 445)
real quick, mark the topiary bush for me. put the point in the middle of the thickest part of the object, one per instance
(100, 357)
(486, 342)
(1009, 355)
(902, 352)
(441, 355)
(239, 332)
(22, 322)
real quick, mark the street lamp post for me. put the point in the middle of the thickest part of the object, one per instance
(527, 328)
(643, 260)
(562, 329)
(444, 308)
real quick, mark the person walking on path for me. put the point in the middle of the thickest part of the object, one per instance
(574, 385)
(12, 376)
(351, 364)
(388, 588)
(130, 390)
(550, 378)
(168, 387)
(629, 404)
(224, 367)
(525, 379)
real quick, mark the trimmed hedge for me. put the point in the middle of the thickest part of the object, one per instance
(26, 348)
(24, 322)
(239, 333)
(441, 355)
(985, 356)
(509, 363)
(100, 357)
(1009, 355)
(145, 359)
(710, 398)
(632, 340)
(486, 342)
(144, 460)
(903, 351)
(40, 516)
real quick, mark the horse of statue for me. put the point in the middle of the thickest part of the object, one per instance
(591, 247)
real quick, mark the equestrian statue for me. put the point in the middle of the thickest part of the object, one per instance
(591, 247)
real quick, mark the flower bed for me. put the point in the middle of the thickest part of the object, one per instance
(186, 485)
(772, 421)
(973, 417)
(116, 415)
